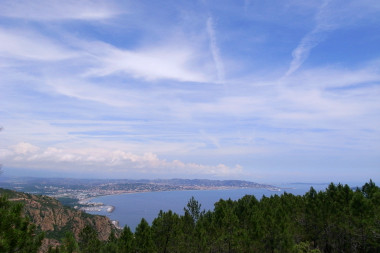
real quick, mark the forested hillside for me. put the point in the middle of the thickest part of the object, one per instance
(338, 219)
(48, 217)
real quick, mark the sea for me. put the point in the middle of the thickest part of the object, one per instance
(130, 208)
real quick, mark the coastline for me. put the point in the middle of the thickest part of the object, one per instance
(131, 208)
(101, 208)
(88, 200)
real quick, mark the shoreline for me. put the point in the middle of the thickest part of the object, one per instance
(103, 208)
(276, 189)
(244, 191)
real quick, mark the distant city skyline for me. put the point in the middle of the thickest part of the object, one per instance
(279, 91)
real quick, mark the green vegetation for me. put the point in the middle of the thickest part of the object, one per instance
(17, 234)
(70, 202)
(338, 219)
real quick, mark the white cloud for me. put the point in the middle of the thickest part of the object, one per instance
(25, 148)
(117, 85)
(58, 10)
(310, 40)
(84, 90)
(175, 61)
(215, 50)
(302, 51)
(26, 155)
(26, 45)
(331, 15)
(334, 77)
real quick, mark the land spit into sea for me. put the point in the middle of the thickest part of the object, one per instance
(76, 192)
(88, 205)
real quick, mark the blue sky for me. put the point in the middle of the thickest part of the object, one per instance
(275, 91)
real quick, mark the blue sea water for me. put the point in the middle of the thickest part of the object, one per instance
(131, 208)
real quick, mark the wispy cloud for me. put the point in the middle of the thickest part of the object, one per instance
(311, 39)
(137, 88)
(215, 49)
(171, 61)
(330, 16)
(44, 10)
(27, 45)
(84, 90)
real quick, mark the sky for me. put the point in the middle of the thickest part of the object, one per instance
(266, 91)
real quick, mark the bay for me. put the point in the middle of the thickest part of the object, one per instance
(131, 208)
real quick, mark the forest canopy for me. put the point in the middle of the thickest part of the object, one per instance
(339, 219)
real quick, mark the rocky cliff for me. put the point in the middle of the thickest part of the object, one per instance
(54, 219)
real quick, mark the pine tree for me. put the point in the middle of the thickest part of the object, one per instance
(17, 234)
(88, 240)
(126, 241)
(69, 244)
(143, 235)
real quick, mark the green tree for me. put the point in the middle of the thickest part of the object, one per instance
(165, 231)
(369, 189)
(143, 236)
(126, 241)
(88, 240)
(193, 209)
(187, 224)
(17, 234)
(304, 247)
(111, 245)
(226, 225)
(69, 244)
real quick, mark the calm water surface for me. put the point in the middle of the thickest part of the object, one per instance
(131, 208)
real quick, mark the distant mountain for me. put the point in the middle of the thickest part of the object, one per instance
(211, 183)
(86, 183)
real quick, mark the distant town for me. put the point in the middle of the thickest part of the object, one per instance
(78, 193)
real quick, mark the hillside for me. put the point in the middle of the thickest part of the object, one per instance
(50, 216)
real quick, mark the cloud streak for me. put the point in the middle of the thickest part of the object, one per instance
(169, 61)
(45, 10)
(134, 87)
(27, 45)
(215, 51)
(310, 40)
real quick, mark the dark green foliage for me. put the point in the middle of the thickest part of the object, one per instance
(338, 219)
(17, 234)
(193, 210)
(126, 241)
(166, 232)
(70, 202)
(88, 240)
(305, 247)
(69, 244)
(335, 220)
(143, 237)
(111, 245)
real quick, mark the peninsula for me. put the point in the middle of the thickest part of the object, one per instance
(78, 193)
